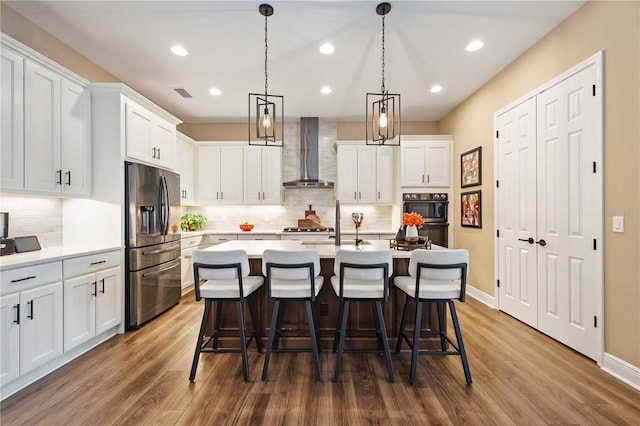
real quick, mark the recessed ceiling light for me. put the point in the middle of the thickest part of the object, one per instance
(327, 48)
(215, 91)
(474, 45)
(325, 90)
(179, 50)
(435, 89)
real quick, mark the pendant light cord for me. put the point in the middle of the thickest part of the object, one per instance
(383, 91)
(266, 49)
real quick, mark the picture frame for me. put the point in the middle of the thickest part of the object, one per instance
(471, 209)
(471, 168)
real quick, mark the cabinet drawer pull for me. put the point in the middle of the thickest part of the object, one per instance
(24, 279)
(30, 309)
(17, 310)
(97, 263)
(68, 173)
(102, 291)
(95, 288)
(187, 256)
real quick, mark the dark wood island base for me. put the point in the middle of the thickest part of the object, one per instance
(360, 321)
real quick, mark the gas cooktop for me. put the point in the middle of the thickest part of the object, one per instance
(321, 229)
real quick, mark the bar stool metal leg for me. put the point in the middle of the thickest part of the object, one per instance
(216, 328)
(441, 326)
(254, 322)
(344, 314)
(383, 337)
(403, 323)
(416, 341)
(463, 353)
(272, 334)
(336, 338)
(243, 342)
(314, 343)
(203, 327)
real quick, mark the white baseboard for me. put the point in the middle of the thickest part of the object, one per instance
(482, 296)
(622, 370)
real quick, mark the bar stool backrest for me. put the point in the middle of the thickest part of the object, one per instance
(228, 257)
(290, 257)
(363, 257)
(438, 257)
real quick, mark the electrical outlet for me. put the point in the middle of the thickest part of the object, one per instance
(618, 224)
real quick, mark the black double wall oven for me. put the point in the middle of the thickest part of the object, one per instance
(434, 208)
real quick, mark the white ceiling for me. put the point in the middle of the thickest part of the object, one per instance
(424, 42)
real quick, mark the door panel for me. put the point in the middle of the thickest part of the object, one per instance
(516, 212)
(566, 218)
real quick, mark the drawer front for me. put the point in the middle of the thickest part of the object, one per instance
(190, 242)
(213, 239)
(256, 237)
(30, 276)
(91, 263)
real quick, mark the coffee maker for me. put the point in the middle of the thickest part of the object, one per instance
(7, 245)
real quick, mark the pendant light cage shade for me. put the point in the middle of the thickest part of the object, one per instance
(383, 119)
(383, 109)
(265, 119)
(266, 111)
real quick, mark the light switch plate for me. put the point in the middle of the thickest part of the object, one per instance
(618, 223)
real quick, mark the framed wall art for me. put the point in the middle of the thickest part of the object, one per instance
(471, 207)
(471, 167)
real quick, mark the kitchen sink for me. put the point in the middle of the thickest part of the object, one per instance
(331, 242)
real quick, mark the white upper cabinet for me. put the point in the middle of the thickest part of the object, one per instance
(12, 142)
(365, 173)
(46, 125)
(220, 173)
(426, 161)
(149, 138)
(263, 175)
(185, 155)
(384, 174)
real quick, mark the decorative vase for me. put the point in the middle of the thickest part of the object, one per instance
(411, 233)
(400, 236)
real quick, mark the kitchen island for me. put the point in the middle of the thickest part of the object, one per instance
(327, 303)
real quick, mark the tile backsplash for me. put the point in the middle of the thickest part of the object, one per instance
(41, 217)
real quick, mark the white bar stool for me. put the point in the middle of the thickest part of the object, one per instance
(434, 276)
(292, 275)
(226, 275)
(362, 276)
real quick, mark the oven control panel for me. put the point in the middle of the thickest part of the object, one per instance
(422, 196)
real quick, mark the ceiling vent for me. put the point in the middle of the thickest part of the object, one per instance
(183, 93)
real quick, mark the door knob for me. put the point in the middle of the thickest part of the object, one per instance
(542, 243)
(529, 240)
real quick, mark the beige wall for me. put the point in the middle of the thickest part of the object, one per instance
(16, 26)
(614, 28)
(348, 130)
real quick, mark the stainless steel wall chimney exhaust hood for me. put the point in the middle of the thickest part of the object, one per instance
(308, 157)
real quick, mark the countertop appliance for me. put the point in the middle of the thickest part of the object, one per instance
(152, 259)
(7, 245)
(434, 209)
(295, 233)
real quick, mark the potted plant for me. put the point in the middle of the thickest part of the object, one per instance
(192, 222)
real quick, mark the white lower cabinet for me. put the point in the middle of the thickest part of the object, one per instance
(92, 300)
(187, 246)
(31, 328)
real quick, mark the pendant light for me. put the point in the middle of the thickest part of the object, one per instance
(266, 111)
(383, 109)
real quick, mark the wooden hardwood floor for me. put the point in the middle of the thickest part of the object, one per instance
(519, 377)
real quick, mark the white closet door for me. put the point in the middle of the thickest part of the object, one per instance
(517, 212)
(567, 188)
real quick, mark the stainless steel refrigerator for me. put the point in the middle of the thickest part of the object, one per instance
(152, 248)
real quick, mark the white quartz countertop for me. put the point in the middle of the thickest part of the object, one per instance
(326, 249)
(50, 254)
(278, 232)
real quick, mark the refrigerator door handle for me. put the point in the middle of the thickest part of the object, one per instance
(164, 206)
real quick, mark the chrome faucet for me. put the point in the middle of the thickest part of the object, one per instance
(337, 227)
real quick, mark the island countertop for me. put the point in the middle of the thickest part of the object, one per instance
(326, 248)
